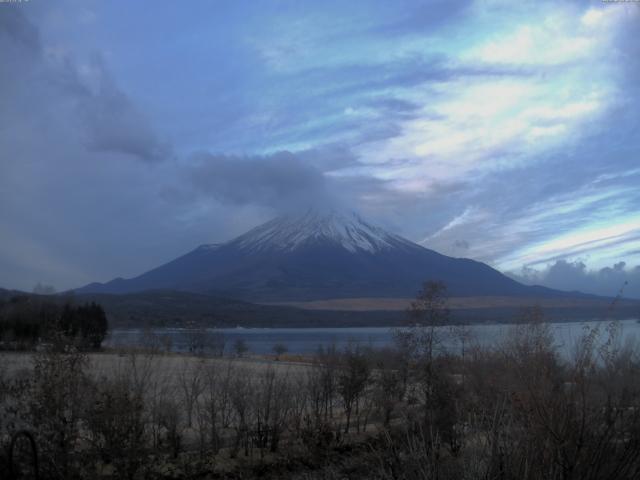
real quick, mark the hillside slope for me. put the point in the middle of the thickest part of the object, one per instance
(319, 255)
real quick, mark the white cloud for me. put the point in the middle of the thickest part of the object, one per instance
(590, 238)
(475, 124)
(611, 280)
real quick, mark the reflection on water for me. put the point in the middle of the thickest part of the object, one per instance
(307, 340)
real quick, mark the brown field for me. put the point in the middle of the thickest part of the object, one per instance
(363, 304)
(358, 414)
(168, 366)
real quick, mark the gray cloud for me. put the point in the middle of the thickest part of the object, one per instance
(36, 81)
(330, 157)
(405, 72)
(567, 275)
(427, 16)
(282, 181)
(14, 26)
(69, 202)
(394, 105)
(279, 181)
(461, 245)
(113, 122)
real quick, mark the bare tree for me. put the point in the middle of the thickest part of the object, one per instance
(240, 395)
(195, 340)
(116, 423)
(169, 419)
(240, 347)
(352, 381)
(427, 313)
(280, 349)
(191, 386)
(216, 343)
(56, 405)
(387, 391)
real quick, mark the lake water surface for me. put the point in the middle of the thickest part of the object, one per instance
(307, 340)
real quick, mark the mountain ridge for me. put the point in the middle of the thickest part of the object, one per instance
(315, 256)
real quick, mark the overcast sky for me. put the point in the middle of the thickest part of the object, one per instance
(507, 132)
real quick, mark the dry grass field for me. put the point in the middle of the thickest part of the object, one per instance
(515, 411)
(364, 304)
(169, 366)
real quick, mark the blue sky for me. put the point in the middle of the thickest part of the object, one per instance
(502, 131)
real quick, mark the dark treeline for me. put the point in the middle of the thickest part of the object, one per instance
(518, 410)
(27, 321)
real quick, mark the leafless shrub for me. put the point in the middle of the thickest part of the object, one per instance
(55, 401)
(353, 378)
(387, 391)
(299, 403)
(191, 385)
(272, 409)
(280, 349)
(240, 347)
(215, 342)
(240, 395)
(518, 410)
(115, 422)
(171, 433)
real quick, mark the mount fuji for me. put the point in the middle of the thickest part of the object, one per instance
(319, 255)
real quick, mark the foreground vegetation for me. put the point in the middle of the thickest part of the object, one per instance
(517, 410)
(29, 321)
(413, 412)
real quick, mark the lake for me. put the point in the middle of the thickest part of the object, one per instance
(307, 340)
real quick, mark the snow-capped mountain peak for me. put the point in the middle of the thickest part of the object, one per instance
(290, 232)
(317, 255)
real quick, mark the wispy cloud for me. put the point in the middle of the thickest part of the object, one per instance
(503, 132)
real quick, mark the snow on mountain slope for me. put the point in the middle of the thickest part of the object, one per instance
(290, 232)
(318, 255)
(209, 247)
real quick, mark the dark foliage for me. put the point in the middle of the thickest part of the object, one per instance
(26, 321)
